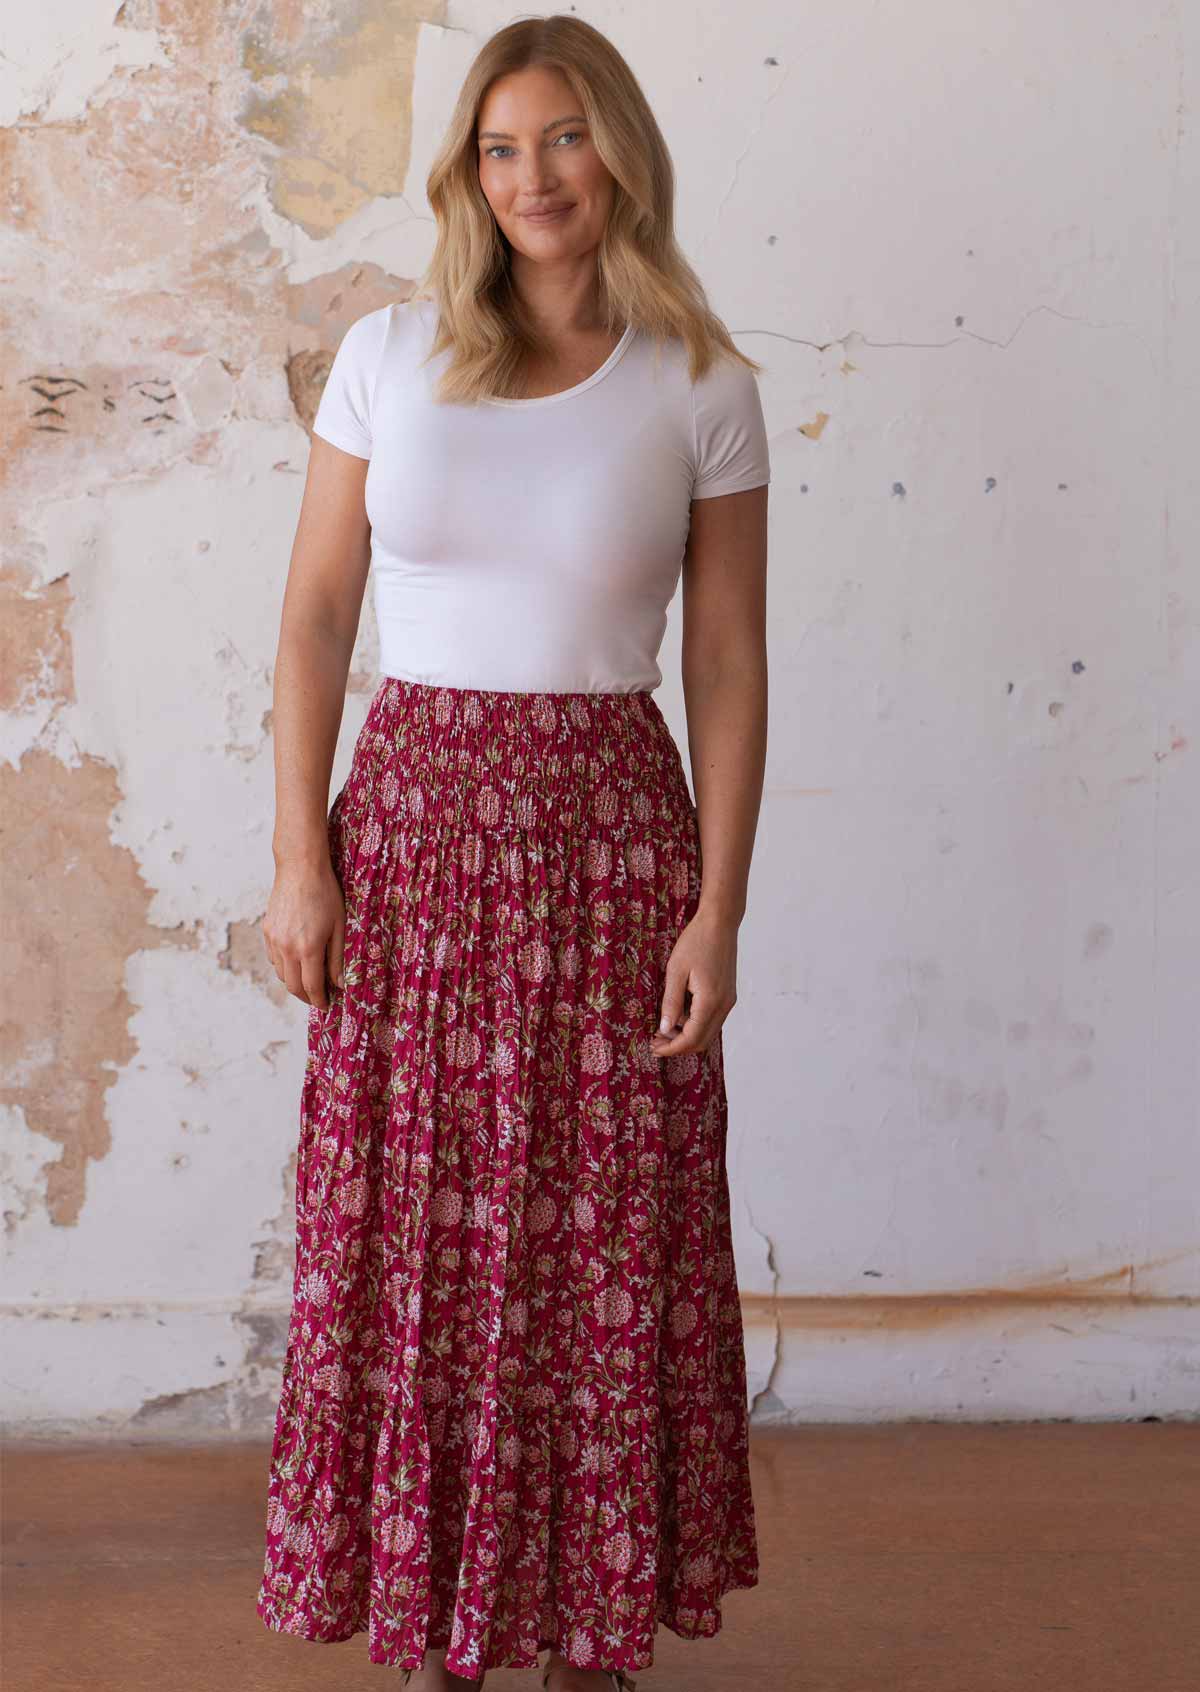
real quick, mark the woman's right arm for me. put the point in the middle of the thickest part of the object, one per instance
(304, 925)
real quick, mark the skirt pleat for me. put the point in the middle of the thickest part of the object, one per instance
(513, 1407)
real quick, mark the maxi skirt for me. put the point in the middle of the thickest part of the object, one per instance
(513, 1410)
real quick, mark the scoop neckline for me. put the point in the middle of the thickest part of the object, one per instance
(597, 375)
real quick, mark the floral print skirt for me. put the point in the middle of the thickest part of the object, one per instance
(513, 1411)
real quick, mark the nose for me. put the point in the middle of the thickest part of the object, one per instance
(538, 175)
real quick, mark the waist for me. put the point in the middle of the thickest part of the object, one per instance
(530, 759)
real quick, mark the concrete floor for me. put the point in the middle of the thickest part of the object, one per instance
(913, 1558)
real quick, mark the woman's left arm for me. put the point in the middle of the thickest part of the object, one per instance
(725, 697)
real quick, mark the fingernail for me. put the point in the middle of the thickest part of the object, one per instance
(664, 1026)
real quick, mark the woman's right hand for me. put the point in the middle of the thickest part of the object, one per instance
(304, 929)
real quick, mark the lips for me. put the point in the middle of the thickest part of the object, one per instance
(549, 215)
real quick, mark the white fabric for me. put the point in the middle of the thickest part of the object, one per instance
(533, 544)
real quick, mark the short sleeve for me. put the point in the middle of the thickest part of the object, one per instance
(730, 431)
(344, 412)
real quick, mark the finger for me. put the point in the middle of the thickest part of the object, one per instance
(293, 978)
(659, 1039)
(699, 1026)
(312, 969)
(337, 951)
(672, 1009)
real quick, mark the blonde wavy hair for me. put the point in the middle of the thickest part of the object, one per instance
(644, 278)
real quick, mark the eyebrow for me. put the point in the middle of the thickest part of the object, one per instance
(503, 135)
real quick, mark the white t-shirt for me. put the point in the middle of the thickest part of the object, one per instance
(533, 544)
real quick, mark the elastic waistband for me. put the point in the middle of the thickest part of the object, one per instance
(478, 758)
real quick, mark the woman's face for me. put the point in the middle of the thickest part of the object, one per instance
(536, 155)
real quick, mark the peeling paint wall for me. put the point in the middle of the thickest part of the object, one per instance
(963, 1064)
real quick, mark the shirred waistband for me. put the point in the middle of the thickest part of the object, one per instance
(482, 759)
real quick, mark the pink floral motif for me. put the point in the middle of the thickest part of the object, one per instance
(618, 1552)
(684, 1317)
(489, 806)
(465, 1046)
(315, 1289)
(513, 1406)
(606, 806)
(543, 712)
(397, 1534)
(333, 1379)
(640, 858)
(372, 837)
(598, 860)
(352, 1196)
(534, 960)
(596, 1054)
(614, 1306)
(541, 1213)
(446, 1206)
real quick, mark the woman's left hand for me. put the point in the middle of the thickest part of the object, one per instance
(701, 985)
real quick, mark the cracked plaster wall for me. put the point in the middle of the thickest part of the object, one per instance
(962, 1068)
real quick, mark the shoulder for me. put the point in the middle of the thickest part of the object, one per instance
(367, 331)
(392, 337)
(400, 320)
(726, 382)
(727, 387)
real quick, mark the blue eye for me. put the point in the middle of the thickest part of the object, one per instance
(501, 147)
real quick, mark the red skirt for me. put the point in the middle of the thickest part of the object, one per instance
(513, 1411)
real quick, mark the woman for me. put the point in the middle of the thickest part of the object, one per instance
(513, 1415)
